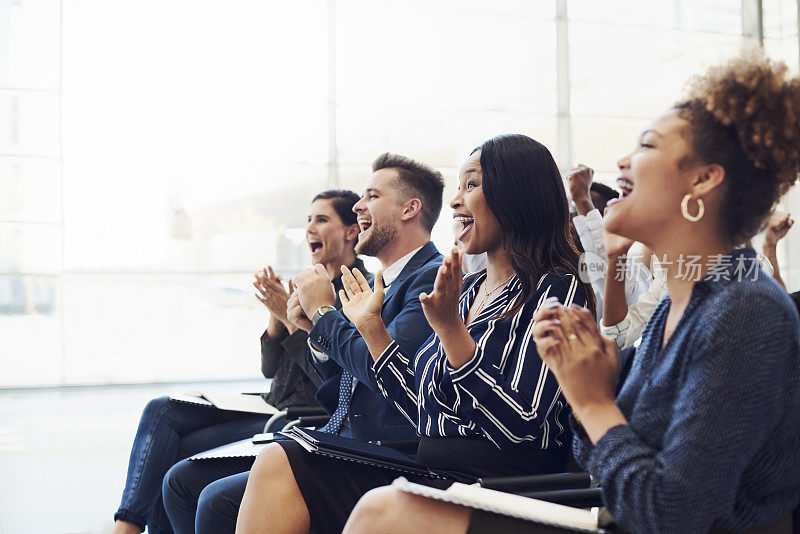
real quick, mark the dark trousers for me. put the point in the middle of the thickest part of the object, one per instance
(168, 432)
(203, 496)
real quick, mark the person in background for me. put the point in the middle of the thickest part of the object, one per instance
(778, 225)
(588, 198)
(624, 324)
(170, 431)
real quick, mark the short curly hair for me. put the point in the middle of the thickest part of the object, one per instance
(745, 116)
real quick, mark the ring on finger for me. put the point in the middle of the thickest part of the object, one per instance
(572, 337)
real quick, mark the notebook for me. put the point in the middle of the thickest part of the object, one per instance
(498, 502)
(358, 451)
(236, 402)
(240, 449)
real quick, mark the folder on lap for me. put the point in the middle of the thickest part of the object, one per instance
(237, 402)
(362, 452)
(249, 447)
(534, 510)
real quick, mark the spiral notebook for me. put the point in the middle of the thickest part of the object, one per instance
(246, 448)
(237, 402)
(542, 512)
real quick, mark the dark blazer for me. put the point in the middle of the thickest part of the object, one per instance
(285, 359)
(371, 416)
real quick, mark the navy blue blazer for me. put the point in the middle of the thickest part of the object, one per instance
(371, 415)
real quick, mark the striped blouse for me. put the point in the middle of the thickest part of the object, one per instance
(504, 392)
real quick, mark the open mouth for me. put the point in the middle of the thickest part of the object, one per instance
(465, 222)
(315, 246)
(364, 224)
(625, 186)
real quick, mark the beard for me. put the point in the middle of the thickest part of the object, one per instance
(380, 236)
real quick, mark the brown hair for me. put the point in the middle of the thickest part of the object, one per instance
(342, 201)
(744, 116)
(416, 180)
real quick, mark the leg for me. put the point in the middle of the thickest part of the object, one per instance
(169, 431)
(186, 480)
(218, 505)
(272, 500)
(393, 511)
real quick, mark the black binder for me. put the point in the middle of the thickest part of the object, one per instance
(361, 452)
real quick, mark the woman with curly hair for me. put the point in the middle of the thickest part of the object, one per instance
(704, 434)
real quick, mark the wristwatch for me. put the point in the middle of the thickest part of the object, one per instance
(320, 312)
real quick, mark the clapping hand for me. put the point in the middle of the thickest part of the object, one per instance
(441, 305)
(272, 294)
(295, 313)
(314, 289)
(361, 304)
(583, 361)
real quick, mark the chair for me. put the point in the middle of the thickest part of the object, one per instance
(297, 416)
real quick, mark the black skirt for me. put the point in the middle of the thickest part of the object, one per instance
(331, 487)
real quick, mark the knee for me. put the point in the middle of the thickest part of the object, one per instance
(214, 506)
(271, 463)
(172, 487)
(377, 511)
(156, 406)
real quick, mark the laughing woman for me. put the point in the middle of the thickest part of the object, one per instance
(476, 390)
(705, 432)
(170, 431)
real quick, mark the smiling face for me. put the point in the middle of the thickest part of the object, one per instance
(379, 212)
(329, 239)
(652, 181)
(476, 226)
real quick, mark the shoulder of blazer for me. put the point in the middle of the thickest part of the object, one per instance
(424, 256)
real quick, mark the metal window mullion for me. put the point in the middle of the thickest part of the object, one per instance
(63, 377)
(564, 126)
(333, 149)
(753, 21)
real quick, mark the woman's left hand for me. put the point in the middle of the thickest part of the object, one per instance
(583, 361)
(441, 305)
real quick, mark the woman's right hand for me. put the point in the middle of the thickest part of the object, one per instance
(273, 295)
(360, 303)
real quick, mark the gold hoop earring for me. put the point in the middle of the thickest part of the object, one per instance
(701, 209)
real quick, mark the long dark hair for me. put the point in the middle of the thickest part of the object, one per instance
(524, 190)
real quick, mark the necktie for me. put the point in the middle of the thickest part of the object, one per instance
(345, 393)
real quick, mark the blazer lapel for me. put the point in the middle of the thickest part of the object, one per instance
(423, 256)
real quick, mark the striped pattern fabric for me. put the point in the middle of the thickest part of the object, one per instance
(504, 392)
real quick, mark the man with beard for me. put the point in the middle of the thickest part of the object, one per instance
(400, 204)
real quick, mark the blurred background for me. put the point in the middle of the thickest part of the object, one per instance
(154, 154)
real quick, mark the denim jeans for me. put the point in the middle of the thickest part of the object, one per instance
(170, 431)
(203, 497)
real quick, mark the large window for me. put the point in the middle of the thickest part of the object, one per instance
(154, 154)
